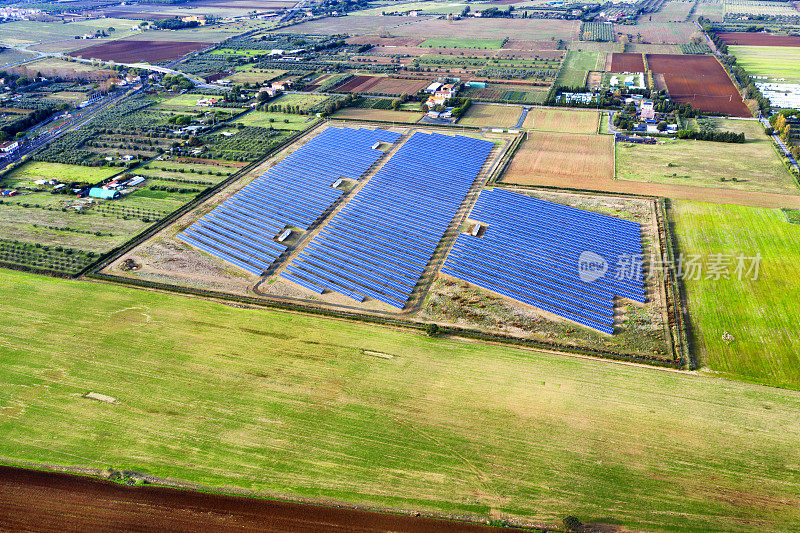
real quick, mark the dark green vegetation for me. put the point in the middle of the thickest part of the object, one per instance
(219, 396)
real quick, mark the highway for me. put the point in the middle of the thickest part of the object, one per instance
(79, 119)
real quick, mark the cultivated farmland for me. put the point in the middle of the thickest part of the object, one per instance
(124, 51)
(504, 116)
(627, 63)
(752, 166)
(561, 120)
(577, 65)
(449, 42)
(381, 85)
(758, 39)
(700, 81)
(759, 316)
(377, 416)
(773, 62)
(561, 160)
(383, 115)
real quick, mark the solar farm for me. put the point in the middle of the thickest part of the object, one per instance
(369, 217)
(294, 193)
(532, 249)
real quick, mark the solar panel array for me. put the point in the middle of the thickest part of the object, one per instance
(379, 244)
(530, 252)
(297, 192)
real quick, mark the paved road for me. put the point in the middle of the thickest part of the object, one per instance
(783, 146)
(79, 119)
(32, 500)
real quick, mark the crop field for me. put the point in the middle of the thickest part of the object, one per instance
(561, 120)
(505, 116)
(577, 65)
(627, 63)
(758, 7)
(660, 33)
(774, 62)
(345, 411)
(473, 28)
(354, 26)
(752, 166)
(381, 85)
(561, 159)
(673, 11)
(759, 316)
(744, 38)
(378, 114)
(125, 51)
(281, 121)
(21, 32)
(455, 42)
(700, 81)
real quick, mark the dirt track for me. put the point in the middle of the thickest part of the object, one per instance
(31, 500)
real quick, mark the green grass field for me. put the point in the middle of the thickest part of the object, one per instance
(296, 405)
(754, 164)
(305, 101)
(25, 175)
(774, 62)
(27, 31)
(456, 42)
(185, 101)
(761, 315)
(281, 121)
(577, 65)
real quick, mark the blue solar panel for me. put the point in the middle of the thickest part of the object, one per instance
(379, 244)
(531, 251)
(295, 192)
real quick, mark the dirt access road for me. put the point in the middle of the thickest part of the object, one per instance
(32, 500)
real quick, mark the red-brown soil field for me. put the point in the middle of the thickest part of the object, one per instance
(32, 500)
(758, 39)
(627, 63)
(381, 85)
(700, 81)
(134, 51)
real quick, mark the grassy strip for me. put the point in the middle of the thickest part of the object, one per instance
(288, 404)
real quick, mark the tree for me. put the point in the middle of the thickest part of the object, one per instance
(432, 329)
(396, 103)
(662, 126)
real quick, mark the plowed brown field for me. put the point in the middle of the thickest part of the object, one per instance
(700, 81)
(32, 500)
(627, 63)
(758, 39)
(134, 51)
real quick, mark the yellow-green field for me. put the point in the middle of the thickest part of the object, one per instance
(774, 62)
(504, 116)
(759, 316)
(752, 166)
(299, 405)
(562, 120)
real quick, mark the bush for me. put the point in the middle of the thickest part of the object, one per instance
(572, 524)
(432, 329)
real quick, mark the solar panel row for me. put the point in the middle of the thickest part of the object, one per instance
(379, 244)
(295, 192)
(532, 249)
